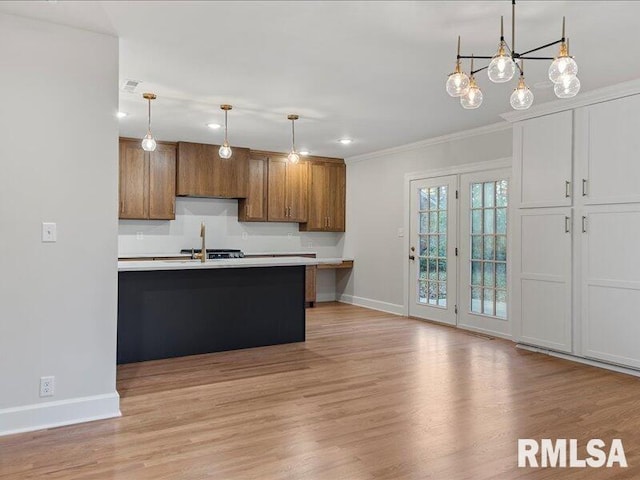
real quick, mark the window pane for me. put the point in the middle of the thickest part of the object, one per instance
(476, 273)
(423, 194)
(442, 222)
(442, 294)
(501, 275)
(442, 246)
(476, 300)
(424, 245)
(501, 193)
(433, 269)
(433, 293)
(489, 217)
(501, 247)
(433, 245)
(488, 277)
(442, 270)
(476, 195)
(433, 198)
(501, 221)
(501, 303)
(489, 194)
(422, 292)
(476, 221)
(424, 223)
(488, 302)
(476, 247)
(433, 222)
(422, 274)
(442, 201)
(488, 247)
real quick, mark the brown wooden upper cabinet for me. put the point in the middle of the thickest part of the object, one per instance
(327, 191)
(202, 173)
(147, 181)
(254, 207)
(287, 190)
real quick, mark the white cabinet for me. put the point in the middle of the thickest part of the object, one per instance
(611, 284)
(542, 161)
(542, 272)
(608, 151)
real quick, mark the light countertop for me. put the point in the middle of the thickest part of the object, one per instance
(188, 264)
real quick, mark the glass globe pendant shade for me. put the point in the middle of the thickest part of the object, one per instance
(225, 151)
(522, 97)
(457, 83)
(502, 67)
(473, 98)
(293, 157)
(149, 143)
(567, 88)
(563, 66)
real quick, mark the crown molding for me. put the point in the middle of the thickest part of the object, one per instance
(410, 147)
(599, 95)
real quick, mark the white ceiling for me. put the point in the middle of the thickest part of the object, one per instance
(371, 71)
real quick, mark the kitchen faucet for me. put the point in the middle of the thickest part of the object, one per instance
(203, 251)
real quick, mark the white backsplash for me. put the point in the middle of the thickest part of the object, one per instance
(223, 231)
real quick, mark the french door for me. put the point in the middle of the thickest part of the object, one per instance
(483, 252)
(458, 250)
(432, 250)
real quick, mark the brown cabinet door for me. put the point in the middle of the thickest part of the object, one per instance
(277, 207)
(230, 175)
(133, 180)
(195, 169)
(162, 183)
(297, 177)
(254, 207)
(337, 198)
(310, 284)
(318, 197)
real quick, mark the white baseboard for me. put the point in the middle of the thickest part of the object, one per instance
(372, 304)
(586, 361)
(41, 416)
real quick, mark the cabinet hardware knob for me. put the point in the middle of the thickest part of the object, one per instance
(584, 224)
(584, 187)
(567, 189)
(567, 224)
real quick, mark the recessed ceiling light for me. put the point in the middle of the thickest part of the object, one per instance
(345, 141)
(121, 114)
(214, 126)
(304, 153)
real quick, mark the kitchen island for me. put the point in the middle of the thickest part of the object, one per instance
(185, 307)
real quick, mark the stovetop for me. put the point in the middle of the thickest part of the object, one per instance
(216, 252)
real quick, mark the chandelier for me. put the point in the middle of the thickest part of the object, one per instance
(506, 63)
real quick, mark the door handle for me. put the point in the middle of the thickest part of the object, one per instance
(584, 224)
(584, 187)
(412, 257)
(567, 189)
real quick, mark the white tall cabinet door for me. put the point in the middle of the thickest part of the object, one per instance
(607, 152)
(542, 273)
(542, 151)
(611, 284)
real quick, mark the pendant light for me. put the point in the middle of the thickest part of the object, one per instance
(225, 149)
(458, 81)
(148, 142)
(502, 67)
(473, 98)
(522, 96)
(563, 66)
(293, 156)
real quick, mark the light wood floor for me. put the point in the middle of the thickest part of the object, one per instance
(368, 396)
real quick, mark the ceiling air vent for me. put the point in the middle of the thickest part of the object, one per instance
(130, 85)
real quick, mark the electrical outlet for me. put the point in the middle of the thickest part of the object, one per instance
(139, 236)
(47, 386)
(49, 232)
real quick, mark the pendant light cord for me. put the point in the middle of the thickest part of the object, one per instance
(149, 118)
(293, 135)
(225, 127)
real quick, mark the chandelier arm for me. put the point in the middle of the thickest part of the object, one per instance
(476, 57)
(473, 72)
(541, 47)
(536, 58)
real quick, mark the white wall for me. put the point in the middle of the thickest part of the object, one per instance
(376, 210)
(224, 231)
(59, 157)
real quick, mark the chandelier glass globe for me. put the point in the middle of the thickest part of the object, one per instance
(149, 143)
(473, 98)
(522, 97)
(563, 66)
(457, 83)
(225, 150)
(502, 67)
(567, 88)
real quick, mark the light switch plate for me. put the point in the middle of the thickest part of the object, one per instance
(49, 232)
(401, 232)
